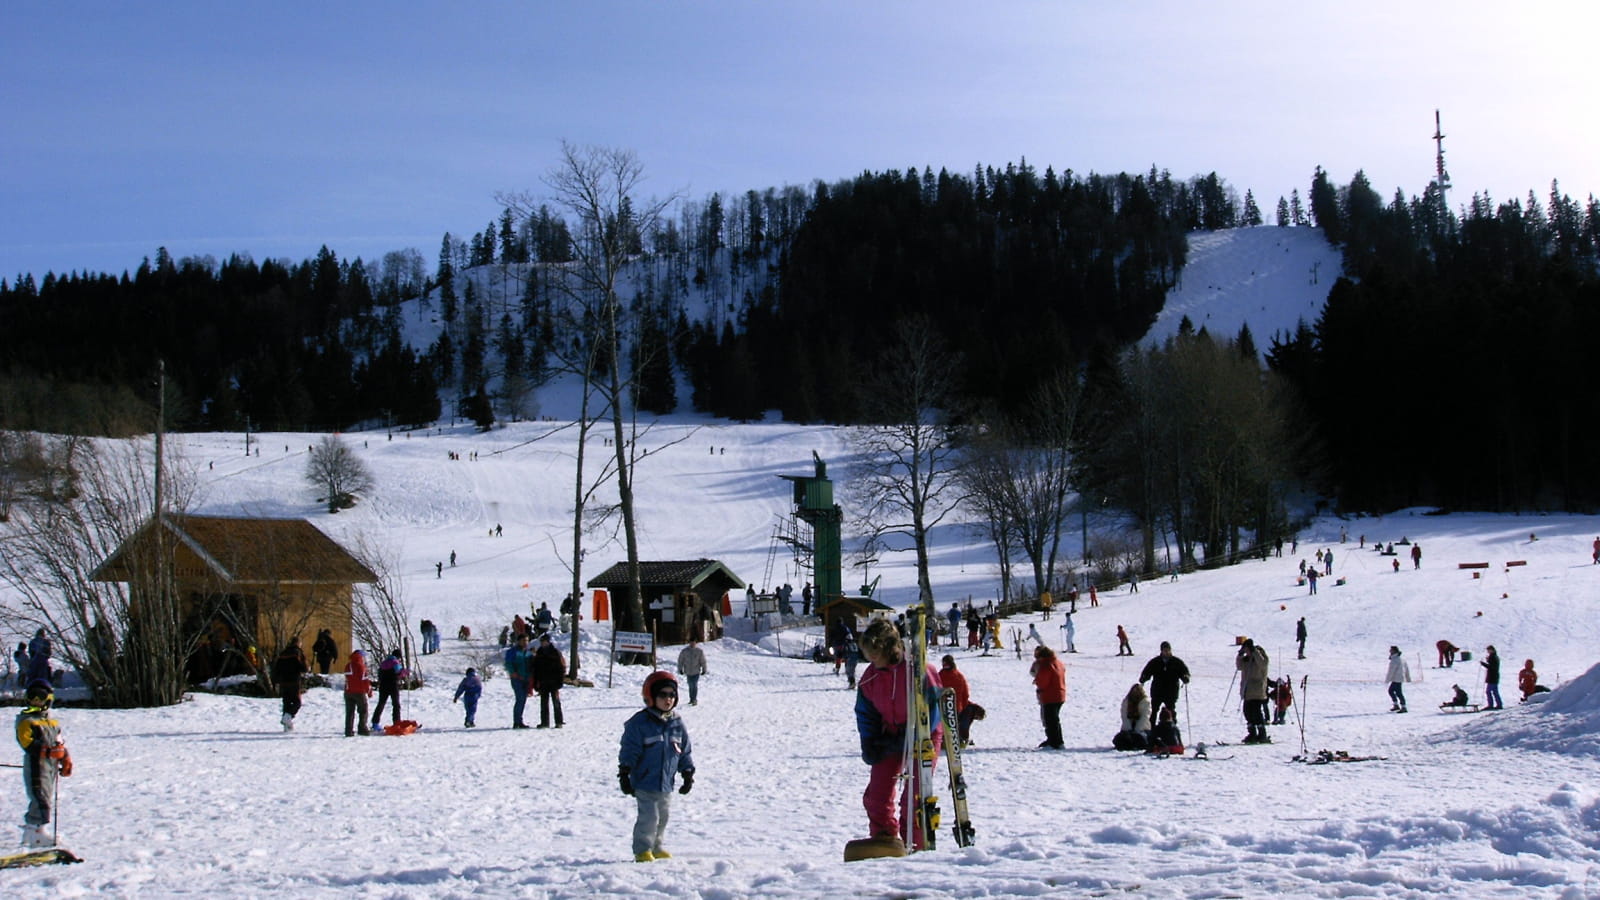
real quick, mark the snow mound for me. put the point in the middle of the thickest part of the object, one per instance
(1565, 721)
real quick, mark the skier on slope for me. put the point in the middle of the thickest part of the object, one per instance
(44, 757)
(1398, 674)
(882, 709)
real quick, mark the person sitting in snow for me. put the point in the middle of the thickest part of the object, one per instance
(1458, 697)
(1165, 738)
(1135, 731)
(1528, 681)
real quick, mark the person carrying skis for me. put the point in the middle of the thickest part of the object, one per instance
(44, 758)
(287, 669)
(356, 691)
(1253, 665)
(655, 750)
(1050, 687)
(1167, 674)
(467, 693)
(1491, 680)
(1399, 672)
(882, 710)
(389, 672)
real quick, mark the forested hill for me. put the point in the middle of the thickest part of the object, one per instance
(775, 299)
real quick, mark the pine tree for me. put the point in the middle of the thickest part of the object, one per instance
(1283, 212)
(1297, 211)
(1252, 212)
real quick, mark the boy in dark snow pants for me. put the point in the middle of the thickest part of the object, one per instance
(468, 692)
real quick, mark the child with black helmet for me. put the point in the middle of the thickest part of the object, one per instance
(44, 757)
(655, 749)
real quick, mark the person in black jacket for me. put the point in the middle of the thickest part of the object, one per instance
(1166, 674)
(1491, 680)
(388, 688)
(286, 671)
(549, 671)
(324, 650)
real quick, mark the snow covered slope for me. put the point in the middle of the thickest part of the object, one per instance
(1267, 276)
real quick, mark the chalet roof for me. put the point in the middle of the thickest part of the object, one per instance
(688, 573)
(866, 603)
(249, 551)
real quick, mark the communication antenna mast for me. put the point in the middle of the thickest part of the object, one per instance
(1441, 178)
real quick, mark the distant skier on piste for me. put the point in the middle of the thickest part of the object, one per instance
(881, 711)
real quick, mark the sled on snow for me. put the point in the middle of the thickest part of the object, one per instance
(47, 857)
(404, 726)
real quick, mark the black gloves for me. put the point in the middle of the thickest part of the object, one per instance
(688, 782)
(624, 781)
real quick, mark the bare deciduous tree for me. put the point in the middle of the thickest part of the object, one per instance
(379, 613)
(907, 483)
(334, 469)
(598, 186)
(125, 638)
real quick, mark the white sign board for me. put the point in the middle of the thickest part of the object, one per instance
(634, 642)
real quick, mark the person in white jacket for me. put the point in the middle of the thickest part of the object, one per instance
(1399, 673)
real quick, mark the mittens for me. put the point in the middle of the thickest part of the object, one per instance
(688, 782)
(624, 781)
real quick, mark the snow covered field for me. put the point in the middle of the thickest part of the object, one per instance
(211, 798)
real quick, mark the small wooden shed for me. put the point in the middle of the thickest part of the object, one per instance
(852, 609)
(680, 597)
(247, 581)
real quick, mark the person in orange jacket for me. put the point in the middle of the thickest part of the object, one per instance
(1050, 686)
(357, 688)
(1528, 680)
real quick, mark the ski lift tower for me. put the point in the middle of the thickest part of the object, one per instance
(813, 502)
(1441, 177)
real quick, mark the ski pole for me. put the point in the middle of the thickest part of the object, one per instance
(1300, 713)
(55, 813)
(1229, 693)
(1187, 727)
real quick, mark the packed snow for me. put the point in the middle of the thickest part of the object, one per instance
(211, 797)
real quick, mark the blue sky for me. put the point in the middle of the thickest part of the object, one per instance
(272, 129)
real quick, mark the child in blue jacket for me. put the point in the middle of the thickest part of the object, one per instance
(470, 688)
(655, 748)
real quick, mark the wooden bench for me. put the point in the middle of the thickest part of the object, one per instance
(1482, 565)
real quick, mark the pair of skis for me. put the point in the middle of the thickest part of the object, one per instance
(925, 817)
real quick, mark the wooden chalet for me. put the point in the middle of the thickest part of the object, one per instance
(246, 585)
(680, 597)
(854, 610)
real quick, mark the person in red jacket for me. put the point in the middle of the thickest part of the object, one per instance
(966, 710)
(356, 691)
(1528, 680)
(1050, 685)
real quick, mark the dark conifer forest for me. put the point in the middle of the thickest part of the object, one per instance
(1448, 368)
